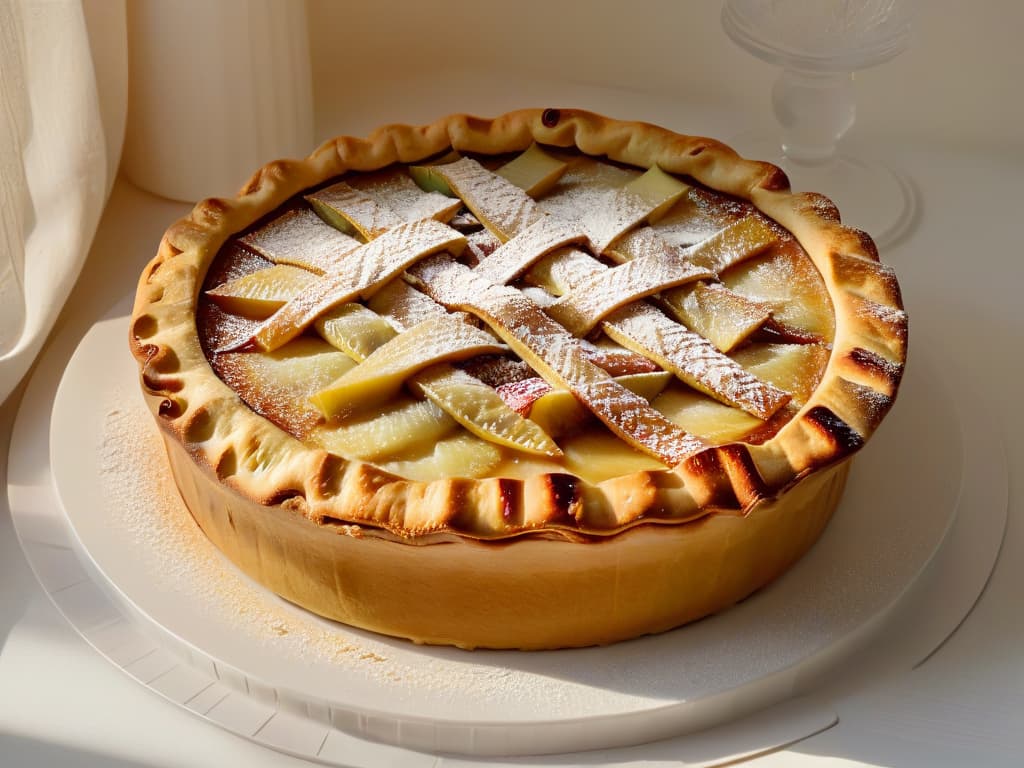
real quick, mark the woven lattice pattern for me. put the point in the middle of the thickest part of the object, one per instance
(465, 303)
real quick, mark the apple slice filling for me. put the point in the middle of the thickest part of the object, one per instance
(405, 426)
(480, 409)
(534, 171)
(260, 294)
(381, 375)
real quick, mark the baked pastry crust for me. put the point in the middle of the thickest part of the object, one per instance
(272, 502)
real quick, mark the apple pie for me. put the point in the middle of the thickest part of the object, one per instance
(540, 381)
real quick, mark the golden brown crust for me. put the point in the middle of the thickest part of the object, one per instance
(757, 507)
(529, 593)
(264, 464)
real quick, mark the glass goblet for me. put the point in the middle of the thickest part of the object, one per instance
(819, 45)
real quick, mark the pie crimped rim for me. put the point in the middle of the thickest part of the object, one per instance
(206, 416)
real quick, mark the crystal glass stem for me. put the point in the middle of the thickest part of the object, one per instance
(814, 111)
(818, 46)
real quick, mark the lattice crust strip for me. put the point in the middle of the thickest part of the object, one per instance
(601, 293)
(351, 206)
(298, 238)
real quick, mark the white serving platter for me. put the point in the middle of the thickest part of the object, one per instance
(184, 622)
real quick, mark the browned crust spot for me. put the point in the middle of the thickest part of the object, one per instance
(844, 438)
(747, 484)
(563, 497)
(884, 374)
(775, 179)
(510, 501)
(709, 482)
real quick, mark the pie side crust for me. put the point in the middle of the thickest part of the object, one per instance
(269, 501)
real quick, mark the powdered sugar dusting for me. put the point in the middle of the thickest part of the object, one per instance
(394, 189)
(359, 208)
(145, 504)
(515, 256)
(698, 216)
(619, 212)
(892, 316)
(508, 209)
(403, 306)
(584, 188)
(694, 359)
(146, 512)
(479, 245)
(299, 237)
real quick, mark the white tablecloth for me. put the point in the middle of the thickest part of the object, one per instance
(961, 272)
(61, 128)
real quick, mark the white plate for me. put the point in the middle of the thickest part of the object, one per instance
(779, 642)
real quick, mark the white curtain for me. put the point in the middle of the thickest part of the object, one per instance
(63, 93)
(235, 73)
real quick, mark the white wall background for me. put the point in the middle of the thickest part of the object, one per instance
(959, 84)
